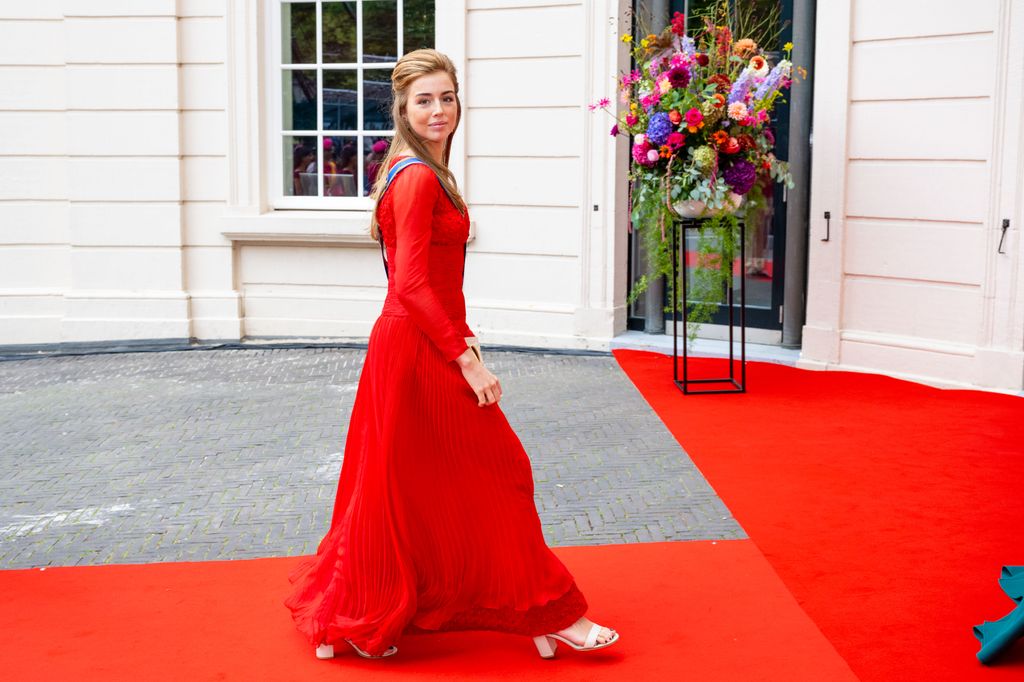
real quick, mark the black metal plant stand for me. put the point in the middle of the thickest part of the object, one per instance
(686, 384)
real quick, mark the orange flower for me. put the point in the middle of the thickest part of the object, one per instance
(718, 100)
(675, 116)
(664, 151)
(744, 48)
(719, 137)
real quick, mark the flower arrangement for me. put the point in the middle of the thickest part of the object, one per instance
(697, 112)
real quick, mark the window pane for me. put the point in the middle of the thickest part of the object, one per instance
(418, 24)
(374, 149)
(298, 33)
(340, 165)
(377, 99)
(380, 31)
(339, 32)
(340, 99)
(299, 99)
(300, 176)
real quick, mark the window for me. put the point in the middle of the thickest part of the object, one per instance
(332, 94)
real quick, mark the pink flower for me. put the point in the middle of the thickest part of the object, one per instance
(615, 130)
(653, 156)
(675, 140)
(640, 153)
(737, 111)
(631, 120)
(694, 117)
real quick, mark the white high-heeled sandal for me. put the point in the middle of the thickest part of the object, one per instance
(325, 651)
(546, 644)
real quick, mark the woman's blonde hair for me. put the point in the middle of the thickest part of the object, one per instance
(410, 67)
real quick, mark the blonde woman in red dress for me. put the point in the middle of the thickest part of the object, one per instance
(434, 525)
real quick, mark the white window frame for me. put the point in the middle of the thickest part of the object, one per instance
(278, 197)
(257, 207)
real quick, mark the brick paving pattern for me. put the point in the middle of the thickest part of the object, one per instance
(222, 454)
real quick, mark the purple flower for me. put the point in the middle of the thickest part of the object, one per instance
(740, 176)
(615, 130)
(684, 45)
(658, 128)
(741, 87)
(770, 83)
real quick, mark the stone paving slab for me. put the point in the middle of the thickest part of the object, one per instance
(221, 454)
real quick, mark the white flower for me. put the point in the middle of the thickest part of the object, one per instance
(763, 71)
(652, 155)
(639, 139)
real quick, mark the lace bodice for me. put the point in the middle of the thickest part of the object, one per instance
(424, 236)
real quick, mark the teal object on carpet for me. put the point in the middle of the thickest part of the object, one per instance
(1012, 582)
(998, 636)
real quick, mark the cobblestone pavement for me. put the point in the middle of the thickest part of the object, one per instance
(221, 454)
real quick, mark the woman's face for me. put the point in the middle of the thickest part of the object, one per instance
(431, 108)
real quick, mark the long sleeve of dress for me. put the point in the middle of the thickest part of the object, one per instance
(416, 189)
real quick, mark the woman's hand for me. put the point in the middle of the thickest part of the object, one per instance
(484, 384)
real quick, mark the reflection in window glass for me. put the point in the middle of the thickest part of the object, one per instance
(339, 31)
(298, 33)
(377, 99)
(374, 149)
(760, 266)
(341, 100)
(418, 24)
(380, 31)
(298, 99)
(340, 172)
(336, 120)
(300, 153)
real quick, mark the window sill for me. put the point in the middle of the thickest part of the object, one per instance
(334, 227)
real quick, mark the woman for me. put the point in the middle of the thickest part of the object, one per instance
(434, 524)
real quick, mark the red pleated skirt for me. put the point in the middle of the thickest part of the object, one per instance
(434, 524)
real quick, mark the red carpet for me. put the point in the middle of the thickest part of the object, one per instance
(886, 507)
(685, 610)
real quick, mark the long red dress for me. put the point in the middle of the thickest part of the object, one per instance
(434, 524)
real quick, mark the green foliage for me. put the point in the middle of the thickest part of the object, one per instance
(717, 248)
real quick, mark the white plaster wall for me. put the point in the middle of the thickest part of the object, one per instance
(917, 157)
(35, 267)
(134, 170)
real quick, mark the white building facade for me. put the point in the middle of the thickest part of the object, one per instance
(146, 187)
(919, 159)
